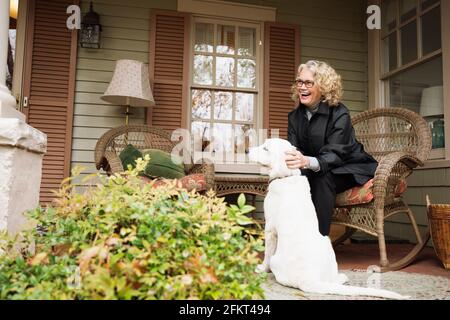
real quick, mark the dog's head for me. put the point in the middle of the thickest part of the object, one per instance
(272, 155)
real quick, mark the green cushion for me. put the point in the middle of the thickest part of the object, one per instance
(161, 165)
(129, 156)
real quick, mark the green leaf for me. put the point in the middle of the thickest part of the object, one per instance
(241, 200)
(247, 209)
(243, 220)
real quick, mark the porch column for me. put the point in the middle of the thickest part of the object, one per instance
(22, 148)
(7, 101)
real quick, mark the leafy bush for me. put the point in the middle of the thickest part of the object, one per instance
(127, 240)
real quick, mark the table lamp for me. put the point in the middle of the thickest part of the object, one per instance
(130, 86)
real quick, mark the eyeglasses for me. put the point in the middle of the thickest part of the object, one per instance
(307, 83)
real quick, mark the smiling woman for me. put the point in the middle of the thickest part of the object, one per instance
(321, 130)
(329, 84)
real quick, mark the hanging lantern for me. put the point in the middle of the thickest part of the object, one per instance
(90, 30)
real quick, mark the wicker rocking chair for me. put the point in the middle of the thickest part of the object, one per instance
(400, 140)
(114, 141)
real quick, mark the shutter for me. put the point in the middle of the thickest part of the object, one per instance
(169, 68)
(49, 86)
(282, 57)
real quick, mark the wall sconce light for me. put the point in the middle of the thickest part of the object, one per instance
(90, 30)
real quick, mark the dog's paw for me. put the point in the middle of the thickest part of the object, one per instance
(262, 268)
(343, 279)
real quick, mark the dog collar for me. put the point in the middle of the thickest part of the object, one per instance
(271, 180)
(280, 178)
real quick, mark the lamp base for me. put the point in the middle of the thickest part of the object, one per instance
(438, 134)
(127, 115)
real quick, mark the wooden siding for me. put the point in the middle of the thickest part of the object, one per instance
(432, 182)
(125, 36)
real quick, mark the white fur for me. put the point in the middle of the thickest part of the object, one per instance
(297, 254)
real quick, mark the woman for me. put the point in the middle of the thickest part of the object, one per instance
(321, 130)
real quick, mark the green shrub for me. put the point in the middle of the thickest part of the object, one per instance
(126, 240)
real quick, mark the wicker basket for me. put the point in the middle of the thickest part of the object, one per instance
(439, 221)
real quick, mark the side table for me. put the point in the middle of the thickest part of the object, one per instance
(229, 183)
(250, 184)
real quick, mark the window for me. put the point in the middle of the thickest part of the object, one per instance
(412, 63)
(13, 7)
(224, 90)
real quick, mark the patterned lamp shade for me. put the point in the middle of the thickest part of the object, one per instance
(130, 85)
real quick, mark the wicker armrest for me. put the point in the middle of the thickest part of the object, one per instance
(208, 170)
(112, 163)
(391, 169)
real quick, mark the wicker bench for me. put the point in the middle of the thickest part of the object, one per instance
(112, 142)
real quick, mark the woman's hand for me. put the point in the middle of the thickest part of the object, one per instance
(296, 160)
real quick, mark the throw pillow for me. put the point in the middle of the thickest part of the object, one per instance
(129, 155)
(162, 166)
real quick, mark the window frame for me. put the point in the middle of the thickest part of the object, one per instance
(258, 110)
(397, 30)
(379, 81)
(238, 11)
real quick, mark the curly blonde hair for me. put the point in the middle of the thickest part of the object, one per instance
(328, 80)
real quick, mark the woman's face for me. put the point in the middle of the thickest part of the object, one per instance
(308, 91)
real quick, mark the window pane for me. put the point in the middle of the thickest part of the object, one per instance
(201, 104)
(409, 42)
(203, 69)
(244, 134)
(389, 15)
(224, 92)
(247, 41)
(12, 54)
(225, 39)
(390, 52)
(225, 72)
(223, 137)
(244, 106)
(431, 31)
(204, 37)
(223, 106)
(201, 134)
(428, 3)
(420, 90)
(408, 9)
(246, 73)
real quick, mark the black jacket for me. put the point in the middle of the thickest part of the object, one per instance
(329, 136)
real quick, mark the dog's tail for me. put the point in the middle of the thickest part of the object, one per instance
(340, 289)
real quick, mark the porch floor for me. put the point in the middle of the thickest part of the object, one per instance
(425, 279)
(361, 256)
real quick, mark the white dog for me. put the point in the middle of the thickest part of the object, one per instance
(297, 254)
